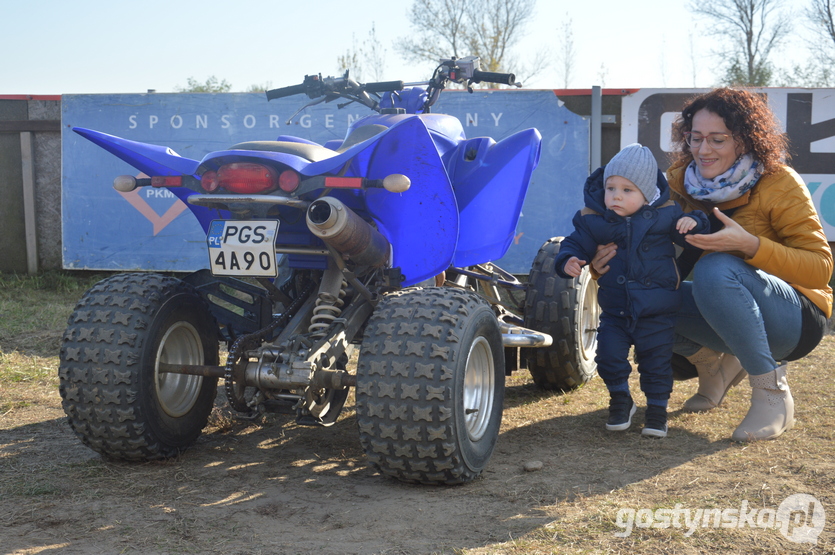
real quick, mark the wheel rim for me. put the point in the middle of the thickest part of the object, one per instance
(177, 393)
(479, 387)
(590, 318)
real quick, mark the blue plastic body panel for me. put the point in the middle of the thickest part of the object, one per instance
(462, 208)
(491, 181)
(150, 159)
(155, 160)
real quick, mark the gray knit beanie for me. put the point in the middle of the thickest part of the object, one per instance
(637, 164)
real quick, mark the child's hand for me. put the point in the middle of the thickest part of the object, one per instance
(685, 224)
(574, 266)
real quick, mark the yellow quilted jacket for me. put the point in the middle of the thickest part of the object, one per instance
(778, 210)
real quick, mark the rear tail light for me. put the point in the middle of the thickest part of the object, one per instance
(289, 181)
(209, 181)
(247, 178)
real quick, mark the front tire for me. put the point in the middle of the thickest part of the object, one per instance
(116, 399)
(430, 386)
(567, 310)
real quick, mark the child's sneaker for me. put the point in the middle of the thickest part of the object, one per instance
(621, 409)
(656, 421)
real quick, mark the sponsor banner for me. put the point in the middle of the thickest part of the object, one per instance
(806, 116)
(150, 229)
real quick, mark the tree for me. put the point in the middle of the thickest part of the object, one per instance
(818, 68)
(260, 87)
(488, 29)
(752, 29)
(496, 27)
(758, 76)
(350, 61)
(694, 58)
(566, 53)
(814, 74)
(602, 74)
(440, 26)
(210, 86)
(366, 61)
(822, 20)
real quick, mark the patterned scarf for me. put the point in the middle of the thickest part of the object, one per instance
(732, 184)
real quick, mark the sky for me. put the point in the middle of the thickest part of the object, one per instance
(53, 47)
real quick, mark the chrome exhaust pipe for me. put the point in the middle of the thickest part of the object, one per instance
(341, 228)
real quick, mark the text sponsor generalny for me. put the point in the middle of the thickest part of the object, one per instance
(272, 121)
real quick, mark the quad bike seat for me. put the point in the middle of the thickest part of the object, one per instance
(310, 151)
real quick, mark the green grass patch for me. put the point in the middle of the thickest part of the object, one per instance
(34, 309)
(33, 315)
(16, 367)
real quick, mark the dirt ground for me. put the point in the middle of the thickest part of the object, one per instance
(275, 487)
(271, 488)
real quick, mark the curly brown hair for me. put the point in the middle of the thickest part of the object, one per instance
(749, 119)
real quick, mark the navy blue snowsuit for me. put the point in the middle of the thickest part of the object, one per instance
(639, 294)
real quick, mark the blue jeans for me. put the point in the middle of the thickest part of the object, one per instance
(732, 307)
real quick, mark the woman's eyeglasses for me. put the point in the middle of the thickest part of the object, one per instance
(716, 141)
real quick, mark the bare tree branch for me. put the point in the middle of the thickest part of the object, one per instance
(819, 14)
(566, 54)
(752, 29)
(532, 67)
(694, 60)
(817, 69)
(486, 28)
(495, 26)
(367, 61)
(441, 30)
(350, 60)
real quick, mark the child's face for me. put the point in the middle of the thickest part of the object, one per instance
(622, 196)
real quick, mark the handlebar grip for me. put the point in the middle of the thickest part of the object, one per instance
(491, 77)
(286, 91)
(383, 86)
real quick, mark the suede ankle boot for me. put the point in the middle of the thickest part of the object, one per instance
(772, 407)
(718, 372)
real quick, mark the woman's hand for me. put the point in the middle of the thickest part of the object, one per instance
(731, 238)
(601, 259)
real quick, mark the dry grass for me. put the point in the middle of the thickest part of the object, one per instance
(274, 487)
(696, 467)
(34, 309)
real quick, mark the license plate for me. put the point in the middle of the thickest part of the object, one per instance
(242, 248)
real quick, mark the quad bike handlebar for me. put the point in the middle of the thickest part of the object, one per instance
(465, 71)
(286, 91)
(491, 77)
(315, 86)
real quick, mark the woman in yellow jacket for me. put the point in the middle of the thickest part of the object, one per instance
(760, 294)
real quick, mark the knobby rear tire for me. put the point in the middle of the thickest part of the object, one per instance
(567, 310)
(430, 386)
(115, 399)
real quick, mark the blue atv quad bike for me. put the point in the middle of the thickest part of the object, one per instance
(381, 244)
